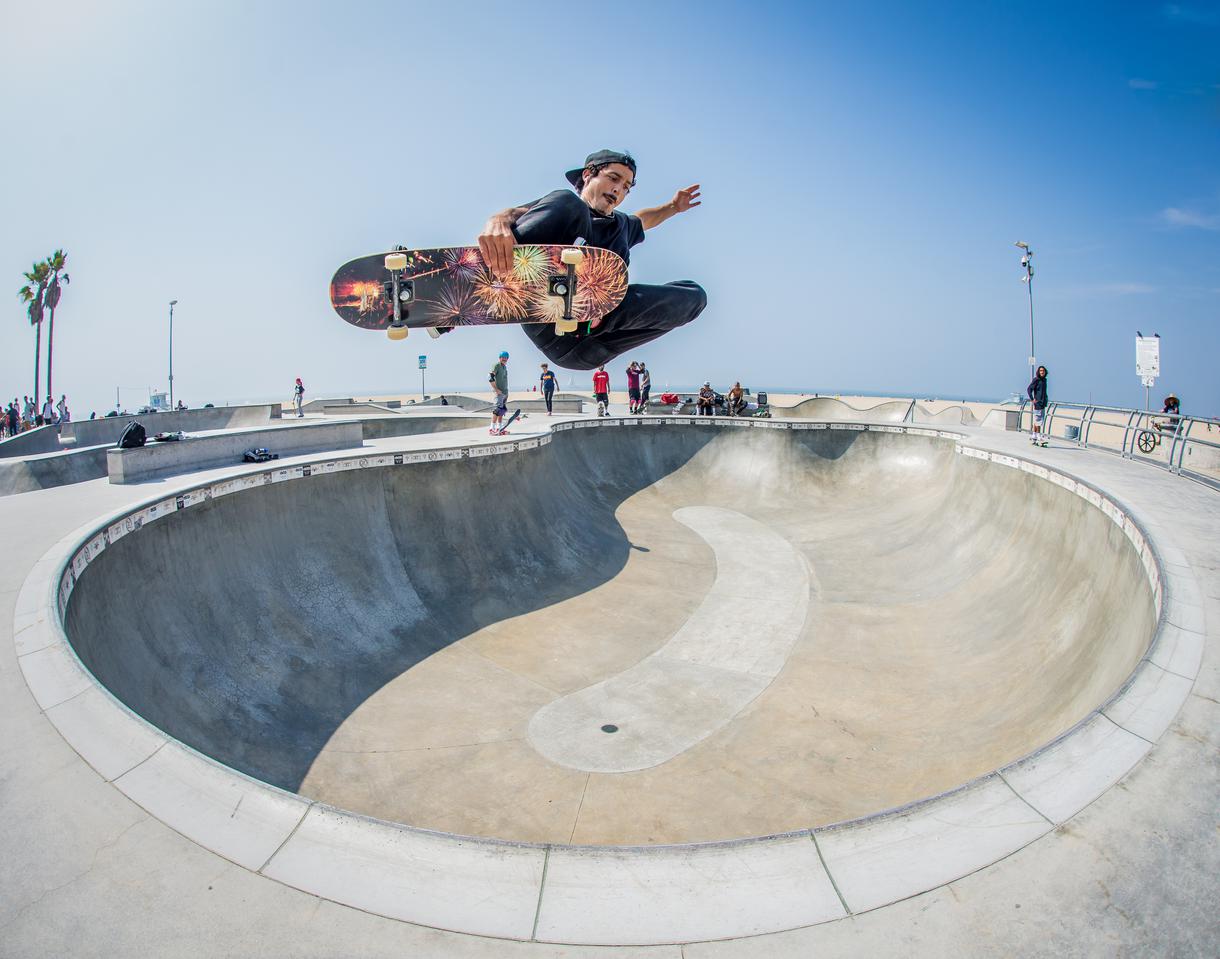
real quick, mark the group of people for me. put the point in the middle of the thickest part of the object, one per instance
(19, 417)
(734, 401)
(639, 386)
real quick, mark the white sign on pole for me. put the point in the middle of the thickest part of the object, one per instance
(1147, 357)
(423, 362)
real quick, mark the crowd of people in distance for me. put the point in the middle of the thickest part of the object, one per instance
(19, 417)
(639, 392)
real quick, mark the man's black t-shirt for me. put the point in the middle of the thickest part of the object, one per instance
(562, 217)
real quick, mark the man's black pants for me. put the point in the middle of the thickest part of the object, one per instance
(647, 311)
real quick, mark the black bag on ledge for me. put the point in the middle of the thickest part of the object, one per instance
(133, 437)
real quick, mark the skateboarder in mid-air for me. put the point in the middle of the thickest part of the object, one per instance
(591, 214)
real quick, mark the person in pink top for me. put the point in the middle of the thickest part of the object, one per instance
(601, 391)
(633, 387)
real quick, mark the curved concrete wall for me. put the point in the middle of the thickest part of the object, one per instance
(960, 615)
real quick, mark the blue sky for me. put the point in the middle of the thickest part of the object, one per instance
(866, 170)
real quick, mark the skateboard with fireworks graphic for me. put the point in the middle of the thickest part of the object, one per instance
(452, 286)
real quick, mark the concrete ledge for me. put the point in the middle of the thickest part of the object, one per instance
(224, 449)
(107, 430)
(475, 886)
(48, 470)
(679, 894)
(41, 439)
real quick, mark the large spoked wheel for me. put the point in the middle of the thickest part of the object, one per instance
(1146, 441)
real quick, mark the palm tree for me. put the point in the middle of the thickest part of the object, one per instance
(37, 276)
(51, 298)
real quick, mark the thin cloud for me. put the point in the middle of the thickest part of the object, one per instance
(1126, 289)
(1175, 216)
(1090, 291)
(1181, 14)
(1135, 83)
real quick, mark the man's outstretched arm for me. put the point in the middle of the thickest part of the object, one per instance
(496, 241)
(683, 200)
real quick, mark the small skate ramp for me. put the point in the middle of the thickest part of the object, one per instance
(830, 409)
(955, 415)
(632, 635)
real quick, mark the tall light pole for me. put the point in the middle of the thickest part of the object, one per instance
(1027, 261)
(171, 353)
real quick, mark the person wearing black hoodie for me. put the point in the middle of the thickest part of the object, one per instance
(1036, 391)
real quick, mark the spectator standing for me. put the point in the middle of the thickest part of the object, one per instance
(633, 386)
(498, 378)
(62, 408)
(298, 396)
(48, 412)
(645, 386)
(27, 410)
(601, 391)
(547, 379)
(1037, 392)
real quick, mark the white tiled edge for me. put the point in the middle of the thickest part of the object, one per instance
(580, 895)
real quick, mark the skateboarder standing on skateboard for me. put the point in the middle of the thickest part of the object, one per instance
(591, 214)
(498, 378)
(298, 395)
(601, 391)
(1036, 391)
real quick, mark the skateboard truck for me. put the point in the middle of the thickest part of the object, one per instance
(565, 286)
(401, 292)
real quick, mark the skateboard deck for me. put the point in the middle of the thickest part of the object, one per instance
(452, 286)
(507, 423)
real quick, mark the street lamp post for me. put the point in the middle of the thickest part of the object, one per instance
(1027, 261)
(171, 353)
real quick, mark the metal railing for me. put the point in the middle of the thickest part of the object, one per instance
(1182, 444)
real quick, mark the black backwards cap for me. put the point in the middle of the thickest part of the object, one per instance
(600, 158)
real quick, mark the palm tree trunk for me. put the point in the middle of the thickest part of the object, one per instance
(50, 346)
(37, 363)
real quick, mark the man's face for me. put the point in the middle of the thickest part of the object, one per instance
(605, 191)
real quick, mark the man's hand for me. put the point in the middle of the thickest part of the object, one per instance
(496, 242)
(685, 199)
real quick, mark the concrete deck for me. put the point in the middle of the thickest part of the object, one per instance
(1079, 867)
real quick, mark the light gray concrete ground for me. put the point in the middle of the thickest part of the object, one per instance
(89, 873)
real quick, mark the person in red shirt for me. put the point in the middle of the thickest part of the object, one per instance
(601, 391)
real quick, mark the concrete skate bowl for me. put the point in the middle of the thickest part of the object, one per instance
(827, 408)
(623, 634)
